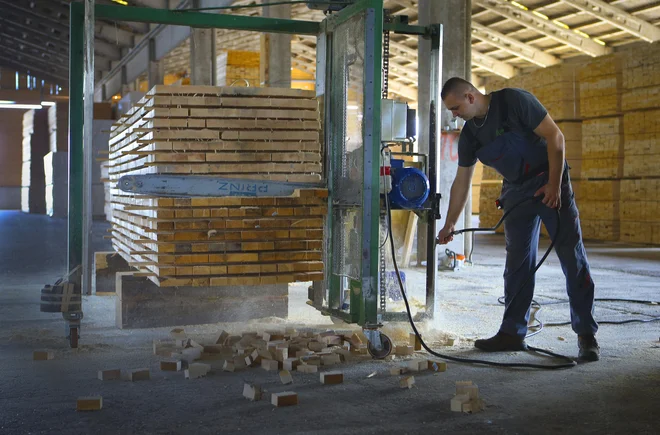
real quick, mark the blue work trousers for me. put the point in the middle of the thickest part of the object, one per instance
(522, 228)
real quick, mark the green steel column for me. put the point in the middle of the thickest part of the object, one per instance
(76, 35)
(371, 201)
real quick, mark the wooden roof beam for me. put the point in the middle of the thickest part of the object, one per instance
(542, 25)
(618, 18)
(513, 46)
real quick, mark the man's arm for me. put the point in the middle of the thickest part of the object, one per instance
(548, 130)
(460, 190)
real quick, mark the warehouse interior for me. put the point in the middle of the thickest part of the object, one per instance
(195, 235)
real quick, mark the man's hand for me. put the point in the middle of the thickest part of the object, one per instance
(552, 195)
(445, 235)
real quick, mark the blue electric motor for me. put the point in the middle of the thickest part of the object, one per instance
(410, 186)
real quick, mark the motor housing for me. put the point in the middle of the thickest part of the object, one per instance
(410, 186)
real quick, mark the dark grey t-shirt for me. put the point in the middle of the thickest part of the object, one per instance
(510, 109)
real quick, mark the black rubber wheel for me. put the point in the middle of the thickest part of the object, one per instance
(73, 338)
(386, 349)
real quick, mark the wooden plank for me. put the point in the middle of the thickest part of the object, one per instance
(237, 91)
(411, 228)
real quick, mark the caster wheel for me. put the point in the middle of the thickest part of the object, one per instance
(73, 338)
(384, 351)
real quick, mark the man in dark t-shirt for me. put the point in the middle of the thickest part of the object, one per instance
(511, 131)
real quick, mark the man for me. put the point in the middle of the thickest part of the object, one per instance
(511, 131)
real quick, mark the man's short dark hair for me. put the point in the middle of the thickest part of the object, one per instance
(455, 85)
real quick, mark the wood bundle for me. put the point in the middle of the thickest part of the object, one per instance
(555, 87)
(641, 78)
(247, 133)
(26, 173)
(640, 218)
(34, 147)
(600, 86)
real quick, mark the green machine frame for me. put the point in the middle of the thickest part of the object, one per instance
(331, 89)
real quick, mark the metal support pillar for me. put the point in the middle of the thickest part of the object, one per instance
(276, 51)
(88, 156)
(435, 85)
(155, 71)
(76, 80)
(455, 17)
(202, 54)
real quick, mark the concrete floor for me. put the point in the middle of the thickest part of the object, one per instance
(619, 394)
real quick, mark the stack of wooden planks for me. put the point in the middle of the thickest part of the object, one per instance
(231, 132)
(640, 217)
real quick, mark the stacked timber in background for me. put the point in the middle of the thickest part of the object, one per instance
(640, 213)
(615, 172)
(100, 140)
(238, 68)
(34, 147)
(556, 88)
(26, 146)
(232, 132)
(56, 161)
(602, 147)
(491, 187)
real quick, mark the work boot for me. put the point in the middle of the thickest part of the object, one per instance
(589, 349)
(501, 342)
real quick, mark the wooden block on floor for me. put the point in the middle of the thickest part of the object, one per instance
(307, 368)
(404, 350)
(344, 355)
(191, 354)
(197, 370)
(471, 390)
(290, 363)
(302, 353)
(239, 363)
(42, 355)
(89, 403)
(407, 382)
(214, 348)
(163, 347)
(396, 371)
(285, 398)
(461, 384)
(178, 333)
(331, 378)
(437, 366)
(417, 365)
(333, 340)
(139, 375)
(273, 335)
(457, 402)
(316, 346)
(109, 375)
(252, 392)
(222, 337)
(281, 354)
(330, 360)
(229, 366)
(170, 365)
(285, 377)
(270, 364)
(415, 341)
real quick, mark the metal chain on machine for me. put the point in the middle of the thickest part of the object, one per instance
(386, 55)
(383, 218)
(383, 263)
